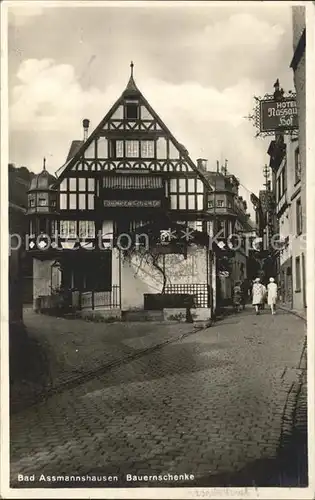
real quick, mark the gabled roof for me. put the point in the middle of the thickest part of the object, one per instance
(75, 146)
(132, 91)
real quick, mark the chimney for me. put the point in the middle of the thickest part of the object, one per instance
(86, 124)
(202, 164)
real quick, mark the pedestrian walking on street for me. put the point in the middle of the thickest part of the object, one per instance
(237, 296)
(272, 295)
(258, 294)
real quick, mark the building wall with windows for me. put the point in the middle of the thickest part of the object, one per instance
(287, 204)
(298, 198)
(230, 222)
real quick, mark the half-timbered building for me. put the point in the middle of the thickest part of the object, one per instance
(125, 218)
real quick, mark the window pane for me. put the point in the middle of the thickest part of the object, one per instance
(64, 228)
(63, 185)
(72, 201)
(81, 201)
(132, 149)
(182, 202)
(53, 228)
(161, 150)
(102, 151)
(191, 185)
(91, 184)
(199, 225)
(173, 187)
(182, 185)
(191, 202)
(132, 111)
(91, 229)
(147, 149)
(63, 202)
(119, 149)
(90, 151)
(90, 201)
(72, 229)
(72, 184)
(199, 202)
(199, 186)
(82, 184)
(174, 202)
(173, 151)
(82, 229)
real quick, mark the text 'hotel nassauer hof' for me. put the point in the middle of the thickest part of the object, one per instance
(127, 220)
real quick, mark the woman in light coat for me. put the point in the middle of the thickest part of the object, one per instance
(258, 294)
(272, 295)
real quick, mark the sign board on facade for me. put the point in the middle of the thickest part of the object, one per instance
(132, 203)
(278, 115)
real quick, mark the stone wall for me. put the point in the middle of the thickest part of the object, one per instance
(43, 278)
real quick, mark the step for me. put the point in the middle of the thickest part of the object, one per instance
(142, 315)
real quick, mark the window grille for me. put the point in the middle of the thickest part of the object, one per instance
(199, 291)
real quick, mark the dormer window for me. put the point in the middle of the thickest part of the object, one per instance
(42, 202)
(32, 202)
(132, 111)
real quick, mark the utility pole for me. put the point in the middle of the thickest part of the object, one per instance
(266, 172)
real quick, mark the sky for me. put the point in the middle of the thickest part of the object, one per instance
(199, 68)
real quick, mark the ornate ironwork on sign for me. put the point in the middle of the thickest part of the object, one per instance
(275, 113)
(132, 203)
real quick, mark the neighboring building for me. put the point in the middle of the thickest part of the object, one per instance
(299, 212)
(129, 177)
(20, 265)
(228, 211)
(266, 225)
(285, 162)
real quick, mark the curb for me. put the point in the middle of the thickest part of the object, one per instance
(74, 382)
(295, 313)
(289, 410)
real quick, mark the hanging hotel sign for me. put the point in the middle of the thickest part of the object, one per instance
(278, 115)
(274, 113)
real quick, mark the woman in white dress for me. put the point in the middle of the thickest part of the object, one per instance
(272, 295)
(258, 293)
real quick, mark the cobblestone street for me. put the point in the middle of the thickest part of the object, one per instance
(209, 405)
